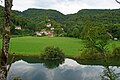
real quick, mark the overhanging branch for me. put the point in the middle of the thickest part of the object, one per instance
(117, 1)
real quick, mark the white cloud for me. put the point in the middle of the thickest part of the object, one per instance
(65, 6)
(22, 4)
(69, 7)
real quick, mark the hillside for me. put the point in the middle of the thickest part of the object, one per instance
(32, 20)
(38, 15)
(95, 18)
(97, 15)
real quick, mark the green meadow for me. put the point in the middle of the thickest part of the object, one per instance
(35, 45)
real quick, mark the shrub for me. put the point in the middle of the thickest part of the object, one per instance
(52, 53)
(116, 51)
(51, 64)
(90, 54)
(17, 78)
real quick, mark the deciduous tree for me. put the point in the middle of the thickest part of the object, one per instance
(6, 40)
(96, 38)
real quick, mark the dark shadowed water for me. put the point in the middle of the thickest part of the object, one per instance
(68, 70)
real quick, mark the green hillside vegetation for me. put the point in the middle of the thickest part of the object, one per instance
(95, 18)
(30, 20)
(33, 20)
(94, 27)
(38, 15)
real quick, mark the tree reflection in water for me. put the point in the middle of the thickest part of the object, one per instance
(51, 64)
(109, 73)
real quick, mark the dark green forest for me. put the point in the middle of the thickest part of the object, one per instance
(73, 25)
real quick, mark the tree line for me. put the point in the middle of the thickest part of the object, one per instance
(32, 20)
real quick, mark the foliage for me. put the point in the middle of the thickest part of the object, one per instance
(114, 29)
(76, 33)
(53, 53)
(96, 38)
(51, 64)
(88, 54)
(33, 20)
(96, 17)
(17, 78)
(110, 74)
(116, 51)
(57, 27)
(38, 15)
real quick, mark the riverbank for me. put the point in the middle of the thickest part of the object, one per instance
(105, 61)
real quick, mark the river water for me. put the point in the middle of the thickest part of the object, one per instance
(68, 70)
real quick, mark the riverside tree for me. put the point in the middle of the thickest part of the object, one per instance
(109, 73)
(96, 38)
(6, 40)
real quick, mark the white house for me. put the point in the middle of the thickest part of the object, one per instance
(48, 25)
(18, 27)
(52, 28)
(38, 34)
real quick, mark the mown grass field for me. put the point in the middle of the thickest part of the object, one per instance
(35, 45)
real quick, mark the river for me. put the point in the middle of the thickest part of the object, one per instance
(68, 70)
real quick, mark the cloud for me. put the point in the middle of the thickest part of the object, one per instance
(101, 4)
(70, 70)
(65, 6)
(22, 4)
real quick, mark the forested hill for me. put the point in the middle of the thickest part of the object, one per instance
(110, 19)
(105, 16)
(32, 20)
(38, 15)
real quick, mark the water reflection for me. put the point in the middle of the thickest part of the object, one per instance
(110, 73)
(69, 70)
(50, 64)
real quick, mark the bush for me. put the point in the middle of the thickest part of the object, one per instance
(116, 51)
(90, 54)
(17, 78)
(51, 64)
(52, 53)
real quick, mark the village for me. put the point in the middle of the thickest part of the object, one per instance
(48, 30)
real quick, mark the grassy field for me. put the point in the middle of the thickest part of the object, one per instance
(35, 45)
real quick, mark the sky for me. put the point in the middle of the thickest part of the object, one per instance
(65, 6)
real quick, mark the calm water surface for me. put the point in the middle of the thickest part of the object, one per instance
(68, 70)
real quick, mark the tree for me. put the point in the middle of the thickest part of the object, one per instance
(96, 38)
(117, 1)
(110, 74)
(69, 34)
(76, 32)
(6, 40)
